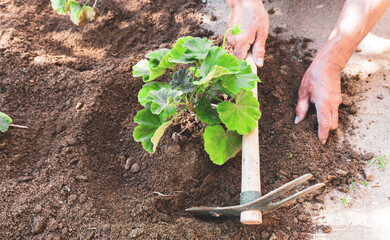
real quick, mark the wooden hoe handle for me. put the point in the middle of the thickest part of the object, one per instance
(250, 179)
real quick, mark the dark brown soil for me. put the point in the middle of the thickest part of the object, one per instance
(65, 177)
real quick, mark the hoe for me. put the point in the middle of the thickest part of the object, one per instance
(252, 203)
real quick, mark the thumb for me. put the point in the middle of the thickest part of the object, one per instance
(258, 50)
(241, 50)
(302, 106)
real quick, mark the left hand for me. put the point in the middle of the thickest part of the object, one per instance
(321, 85)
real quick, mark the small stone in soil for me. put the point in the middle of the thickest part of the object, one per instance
(326, 229)
(342, 172)
(370, 178)
(302, 218)
(264, 234)
(127, 165)
(273, 237)
(367, 156)
(213, 17)
(134, 168)
(25, 178)
(380, 96)
(39, 225)
(278, 30)
(353, 110)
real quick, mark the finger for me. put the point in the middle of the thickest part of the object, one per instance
(241, 50)
(324, 117)
(302, 106)
(258, 48)
(335, 119)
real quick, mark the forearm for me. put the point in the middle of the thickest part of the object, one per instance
(356, 20)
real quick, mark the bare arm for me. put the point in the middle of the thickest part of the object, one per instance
(321, 82)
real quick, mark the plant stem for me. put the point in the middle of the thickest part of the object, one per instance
(166, 74)
(196, 68)
(18, 126)
(86, 3)
(224, 37)
(215, 97)
(94, 5)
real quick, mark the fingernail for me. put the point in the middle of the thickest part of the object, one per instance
(296, 120)
(323, 142)
(260, 62)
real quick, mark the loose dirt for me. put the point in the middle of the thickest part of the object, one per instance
(66, 178)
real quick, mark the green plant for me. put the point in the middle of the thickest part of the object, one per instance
(5, 122)
(80, 15)
(380, 161)
(199, 88)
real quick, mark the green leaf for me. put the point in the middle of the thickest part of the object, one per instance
(91, 13)
(164, 99)
(206, 113)
(5, 121)
(241, 116)
(178, 50)
(149, 123)
(236, 29)
(244, 79)
(61, 6)
(159, 133)
(181, 81)
(141, 69)
(158, 63)
(75, 11)
(143, 97)
(221, 145)
(190, 49)
(217, 64)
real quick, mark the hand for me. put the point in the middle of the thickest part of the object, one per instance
(321, 85)
(253, 18)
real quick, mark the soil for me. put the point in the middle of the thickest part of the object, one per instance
(76, 173)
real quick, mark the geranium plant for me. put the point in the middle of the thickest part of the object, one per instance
(201, 74)
(80, 15)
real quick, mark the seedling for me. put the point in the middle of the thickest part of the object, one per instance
(6, 122)
(79, 15)
(201, 74)
(380, 161)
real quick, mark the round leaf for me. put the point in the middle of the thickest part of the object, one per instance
(141, 69)
(143, 97)
(164, 99)
(181, 80)
(148, 125)
(221, 145)
(205, 113)
(5, 121)
(241, 116)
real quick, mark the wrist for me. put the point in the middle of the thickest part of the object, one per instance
(234, 3)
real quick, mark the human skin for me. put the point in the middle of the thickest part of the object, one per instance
(253, 19)
(321, 83)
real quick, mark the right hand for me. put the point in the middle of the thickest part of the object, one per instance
(253, 19)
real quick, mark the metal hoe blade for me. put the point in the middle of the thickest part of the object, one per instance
(263, 203)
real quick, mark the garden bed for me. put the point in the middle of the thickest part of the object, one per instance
(66, 178)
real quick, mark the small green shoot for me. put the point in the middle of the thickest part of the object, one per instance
(5, 122)
(380, 161)
(351, 186)
(346, 201)
(235, 31)
(80, 15)
(290, 156)
(364, 183)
